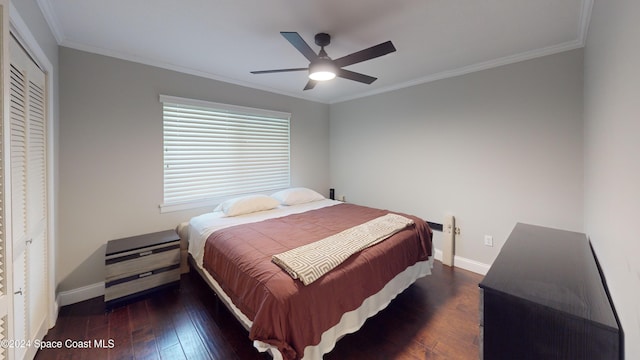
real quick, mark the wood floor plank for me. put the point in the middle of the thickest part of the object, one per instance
(120, 333)
(188, 335)
(173, 352)
(143, 338)
(435, 318)
(162, 324)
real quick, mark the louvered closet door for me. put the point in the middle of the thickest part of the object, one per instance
(28, 198)
(37, 264)
(5, 255)
(18, 156)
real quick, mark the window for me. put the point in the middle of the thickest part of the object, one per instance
(215, 151)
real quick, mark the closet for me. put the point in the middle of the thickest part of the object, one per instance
(28, 196)
(5, 254)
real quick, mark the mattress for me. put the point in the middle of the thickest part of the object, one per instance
(200, 227)
(271, 305)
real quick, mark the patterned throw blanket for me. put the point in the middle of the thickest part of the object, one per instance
(311, 261)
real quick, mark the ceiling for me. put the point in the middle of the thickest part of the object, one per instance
(226, 39)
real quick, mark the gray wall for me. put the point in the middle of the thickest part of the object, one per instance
(612, 155)
(111, 152)
(492, 148)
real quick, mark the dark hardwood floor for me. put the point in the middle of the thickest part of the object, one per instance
(435, 318)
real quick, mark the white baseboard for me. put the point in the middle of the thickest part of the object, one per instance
(80, 294)
(55, 309)
(94, 290)
(467, 264)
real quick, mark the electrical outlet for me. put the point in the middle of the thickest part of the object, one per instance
(488, 240)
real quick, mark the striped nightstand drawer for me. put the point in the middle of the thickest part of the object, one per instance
(138, 265)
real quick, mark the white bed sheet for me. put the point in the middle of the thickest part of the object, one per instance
(200, 227)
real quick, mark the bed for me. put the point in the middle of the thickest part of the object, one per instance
(285, 317)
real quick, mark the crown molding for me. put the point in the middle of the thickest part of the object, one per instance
(511, 59)
(51, 19)
(178, 68)
(585, 18)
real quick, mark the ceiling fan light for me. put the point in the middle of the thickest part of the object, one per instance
(322, 70)
(322, 75)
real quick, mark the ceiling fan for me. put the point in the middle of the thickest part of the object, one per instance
(322, 67)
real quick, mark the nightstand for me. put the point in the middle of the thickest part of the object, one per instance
(138, 265)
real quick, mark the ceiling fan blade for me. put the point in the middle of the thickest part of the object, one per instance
(366, 54)
(356, 76)
(278, 70)
(310, 84)
(298, 42)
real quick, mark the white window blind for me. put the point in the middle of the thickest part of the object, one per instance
(214, 151)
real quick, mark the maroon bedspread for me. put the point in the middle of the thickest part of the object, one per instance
(285, 313)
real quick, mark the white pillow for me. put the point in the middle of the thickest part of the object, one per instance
(295, 196)
(247, 204)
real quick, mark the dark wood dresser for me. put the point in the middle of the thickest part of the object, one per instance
(544, 298)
